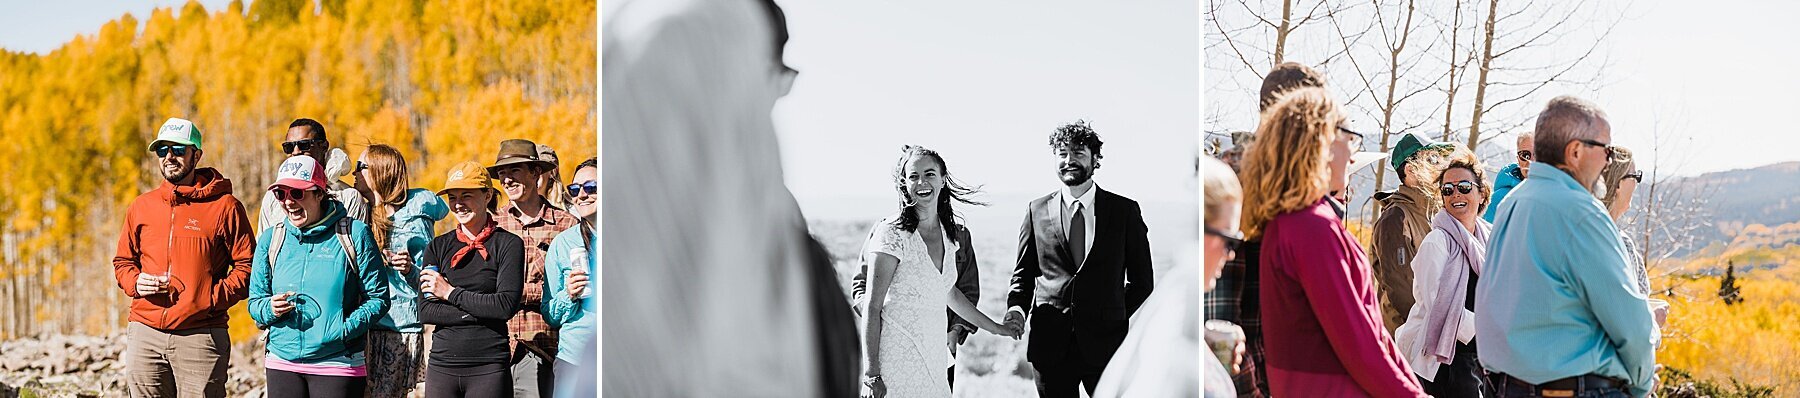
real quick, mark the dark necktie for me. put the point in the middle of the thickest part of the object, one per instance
(1078, 234)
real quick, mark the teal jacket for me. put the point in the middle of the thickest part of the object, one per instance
(412, 231)
(312, 265)
(1508, 178)
(575, 318)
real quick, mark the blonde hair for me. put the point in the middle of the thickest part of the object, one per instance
(1288, 168)
(1221, 189)
(1616, 168)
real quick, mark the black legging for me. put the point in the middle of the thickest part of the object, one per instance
(482, 381)
(289, 384)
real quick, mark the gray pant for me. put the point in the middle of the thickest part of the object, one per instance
(532, 376)
(184, 363)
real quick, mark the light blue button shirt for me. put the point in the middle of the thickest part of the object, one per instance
(1554, 299)
(574, 317)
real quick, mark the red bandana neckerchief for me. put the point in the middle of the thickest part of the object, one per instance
(476, 243)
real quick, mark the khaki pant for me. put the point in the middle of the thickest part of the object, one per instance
(176, 363)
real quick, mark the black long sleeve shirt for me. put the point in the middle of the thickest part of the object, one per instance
(471, 322)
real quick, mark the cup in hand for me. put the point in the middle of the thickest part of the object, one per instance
(1223, 338)
(578, 265)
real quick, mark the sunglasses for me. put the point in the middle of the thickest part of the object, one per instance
(302, 145)
(1464, 187)
(165, 150)
(1612, 152)
(1356, 138)
(1232, 240)
(589, 187)
(288, 193)
(360, 166)
(1525, 155)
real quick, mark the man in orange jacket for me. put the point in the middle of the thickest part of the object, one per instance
(184, 258)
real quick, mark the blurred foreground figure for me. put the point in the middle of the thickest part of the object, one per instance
(710, 284)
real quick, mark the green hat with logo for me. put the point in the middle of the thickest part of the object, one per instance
(1410, 144)
(177, 131)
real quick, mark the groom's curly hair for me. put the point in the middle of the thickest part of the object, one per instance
(1077, 133)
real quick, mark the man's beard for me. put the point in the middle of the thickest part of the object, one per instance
(178, 176)
(1080, 176)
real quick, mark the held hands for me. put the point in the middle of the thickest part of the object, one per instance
(432, 282)
(1006, 329)
(148, 284)
(1015, 320)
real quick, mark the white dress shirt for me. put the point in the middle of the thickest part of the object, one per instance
(1087, 215)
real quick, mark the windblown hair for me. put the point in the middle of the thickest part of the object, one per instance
(953, 190)
(387, 172)
(1463, 159)
(1425, 168)
(1288, 168)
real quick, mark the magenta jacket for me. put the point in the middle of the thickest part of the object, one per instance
(1321, 319)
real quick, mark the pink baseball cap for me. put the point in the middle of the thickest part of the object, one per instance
(300, 172)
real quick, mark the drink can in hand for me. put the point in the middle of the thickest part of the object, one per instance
(427, 292)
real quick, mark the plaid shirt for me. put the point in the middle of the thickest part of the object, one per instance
(528, 326)
(1235, 298)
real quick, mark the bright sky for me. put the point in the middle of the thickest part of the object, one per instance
(40, 26)
(1724, 74)
(985, 83)
(1714, 73)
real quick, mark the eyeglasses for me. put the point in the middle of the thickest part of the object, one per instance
(165, 150)
(1355, 137)
(1462, 186)
(302, 145)
(1232, 240)
(1525, 155)
(288, 193)
(588, 187)
(1611, 151)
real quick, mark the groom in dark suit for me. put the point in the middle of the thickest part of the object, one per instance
(1084, 268)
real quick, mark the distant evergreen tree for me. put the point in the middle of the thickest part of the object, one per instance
(1728, 288)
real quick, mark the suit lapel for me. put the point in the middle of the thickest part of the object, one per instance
(1057, 234)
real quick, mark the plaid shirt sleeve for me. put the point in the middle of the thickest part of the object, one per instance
(1226, 298)
(528, 324)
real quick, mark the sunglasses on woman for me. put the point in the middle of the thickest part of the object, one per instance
(1464, 187)
(588, 187)
(166, 150)
(288, 193)
(1232, 240)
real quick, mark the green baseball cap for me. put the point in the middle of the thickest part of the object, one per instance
(177, 131)
(1410, 144)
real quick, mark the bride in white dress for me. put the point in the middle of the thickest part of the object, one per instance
(912, 268)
